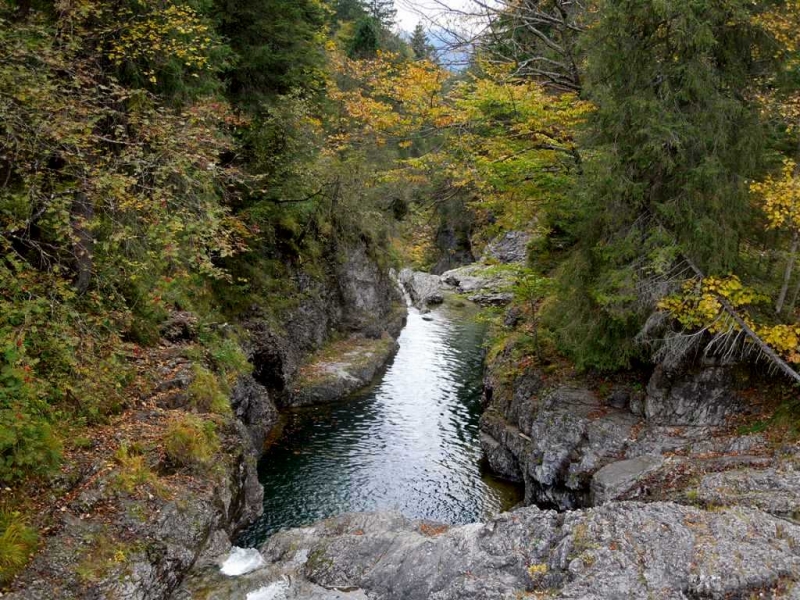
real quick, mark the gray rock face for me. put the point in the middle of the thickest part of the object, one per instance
(360, 297)
(509, 247)
(623, 550)
(555, 443)
(775, 490)
(252, 406)
(703, 397)
(572, 448)
(453, 243)
(617, 479)
(368, 295)
(423, 288)
(142, 551)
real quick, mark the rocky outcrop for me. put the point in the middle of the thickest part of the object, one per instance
(617, 478)
(453, 242)
(509, 247)
(702, 396)
(775, 489)
(424, 289)
(359, 298)
(109, 542)
(488, 282)
(488, 285)
(253, 407)
(340, 368)
(554, 442)
(622, 550)
(573, 446)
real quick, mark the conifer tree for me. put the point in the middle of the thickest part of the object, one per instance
(277, 43)
(419, 43)
(675, 139)
(383, 11)
(366, 38)
(349, 10)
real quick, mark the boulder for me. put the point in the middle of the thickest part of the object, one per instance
(423, 288)
(554, 442)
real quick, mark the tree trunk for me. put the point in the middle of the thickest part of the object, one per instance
(795, 294)
(82, 212)
(787, 274)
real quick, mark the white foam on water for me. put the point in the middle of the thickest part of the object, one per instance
(241, 561)
(273, 591)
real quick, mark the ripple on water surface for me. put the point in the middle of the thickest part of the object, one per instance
(410, 443)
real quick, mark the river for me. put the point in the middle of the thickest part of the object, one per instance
(410, 442)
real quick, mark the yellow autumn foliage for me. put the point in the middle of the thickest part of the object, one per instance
(780, 197)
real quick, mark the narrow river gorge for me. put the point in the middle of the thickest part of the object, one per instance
(410, 442)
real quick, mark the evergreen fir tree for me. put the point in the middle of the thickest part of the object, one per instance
(383, 11)
(349, 10)
(366, 39)
(277, 46)
(419, 43)
(675, 139)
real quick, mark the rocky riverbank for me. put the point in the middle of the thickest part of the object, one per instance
(619, 550)
(715, 515)
(663, 488)
(653, 489)
(574, 443)
(136, 505)
(172, 478)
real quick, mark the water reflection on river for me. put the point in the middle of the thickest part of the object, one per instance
(410, 443)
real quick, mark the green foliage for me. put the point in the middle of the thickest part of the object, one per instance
(366, 38)
(383, 11)
(278, 47)
(191, 442)
(419, 43)
(206, 394)
(672, 143)
(348, 10)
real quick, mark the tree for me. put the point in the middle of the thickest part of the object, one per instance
(539, 39)
(674, 140)
(383, 11)
(366, 38)
(349, 10)
(419, 43)
(278, 46)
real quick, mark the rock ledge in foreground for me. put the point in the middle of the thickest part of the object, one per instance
(620, 550)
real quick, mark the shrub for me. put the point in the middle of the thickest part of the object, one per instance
(228, 356)
(27, 444)
(191, 442)
(206, 394)
(133, 469)
(17, 542)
